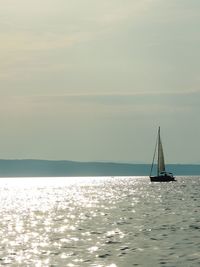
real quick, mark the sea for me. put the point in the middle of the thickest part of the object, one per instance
(99, 222)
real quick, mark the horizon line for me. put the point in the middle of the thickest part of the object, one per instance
(95, 161)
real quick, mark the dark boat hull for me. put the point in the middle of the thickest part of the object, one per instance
(162, 178)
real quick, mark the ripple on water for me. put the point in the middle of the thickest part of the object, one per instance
(108, 222)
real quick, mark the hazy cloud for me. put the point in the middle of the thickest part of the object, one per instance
(98, 70)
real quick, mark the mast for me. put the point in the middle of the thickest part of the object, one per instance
(158, 169)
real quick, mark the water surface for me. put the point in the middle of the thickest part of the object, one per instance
(99, 221)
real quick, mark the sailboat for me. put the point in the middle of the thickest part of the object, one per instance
(162, 175)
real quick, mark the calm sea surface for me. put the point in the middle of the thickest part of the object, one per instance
(105, 222)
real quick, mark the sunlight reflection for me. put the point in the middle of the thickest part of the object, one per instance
(48, 220)
(93, 249)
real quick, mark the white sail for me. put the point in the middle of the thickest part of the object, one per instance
(161, 160)
(162, 175)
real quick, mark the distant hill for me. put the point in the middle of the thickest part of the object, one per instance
(43, 168)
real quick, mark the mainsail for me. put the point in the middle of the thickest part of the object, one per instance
(161, 160)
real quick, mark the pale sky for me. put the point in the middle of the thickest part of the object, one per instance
(92, 80)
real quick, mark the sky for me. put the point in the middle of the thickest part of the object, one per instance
(92, 80)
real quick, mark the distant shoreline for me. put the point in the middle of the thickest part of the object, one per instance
(64, 168)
